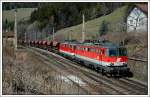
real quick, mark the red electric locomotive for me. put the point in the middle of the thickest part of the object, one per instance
(104, 56)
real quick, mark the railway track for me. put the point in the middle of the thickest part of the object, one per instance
(141, 60)
(96, 83)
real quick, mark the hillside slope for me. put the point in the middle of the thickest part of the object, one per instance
(92, 26)
(22, 14)
(136, 43)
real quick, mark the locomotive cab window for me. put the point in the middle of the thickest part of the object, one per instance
(117, 52)
(112, 52)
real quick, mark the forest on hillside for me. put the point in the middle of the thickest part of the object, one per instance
(64, 14)
(58, 15)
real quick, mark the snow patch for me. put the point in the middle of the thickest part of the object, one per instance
(70, 78)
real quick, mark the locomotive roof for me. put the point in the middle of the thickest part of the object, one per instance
(97, 43)
(107, 45)
(71, 42)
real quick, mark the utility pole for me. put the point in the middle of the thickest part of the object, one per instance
(15, 29)
(45, 35)
(83, 28)
(15, 48)
(25, 36)
(29, 38)
(35, 35)
(70, 35)
(53, 33)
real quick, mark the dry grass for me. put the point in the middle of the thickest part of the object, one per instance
(31, 76)
(7, 70)
(22, 14)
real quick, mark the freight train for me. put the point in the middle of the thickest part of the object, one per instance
(101, 55)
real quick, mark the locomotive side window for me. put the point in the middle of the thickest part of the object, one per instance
(70, 46)
(74, 47)
(98, 51)
(82, 48)
(102, 52)
(117, 52)
(87, 49)
(78, 48)
(92, 49)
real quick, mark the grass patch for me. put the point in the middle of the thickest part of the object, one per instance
(22, 14)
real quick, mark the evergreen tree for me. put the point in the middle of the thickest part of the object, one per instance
(103, 28)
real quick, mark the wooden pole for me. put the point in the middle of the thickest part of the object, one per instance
(83, 28)
(15, 30)
(53, 33)
(25, 37)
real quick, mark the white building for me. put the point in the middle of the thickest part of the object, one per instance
(137, 20)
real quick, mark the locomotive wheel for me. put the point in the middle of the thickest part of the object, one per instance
(92, 67)
(103, 72)
(98, 69)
